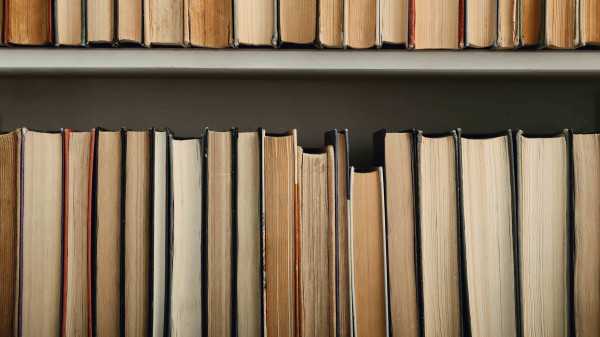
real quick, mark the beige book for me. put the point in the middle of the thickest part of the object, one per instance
(394, 21)
(589, 22)
(437, 24)
(108, 233)
(166, 23)
(586, 174)
(439, 235)
(78, 150)
(280, 183)
(400, 222)
(100, 21)
(159, 230)
(129, 21)
(137, 233)
(211, 23)
(41, 230)
(69, 23)
(186, 293)
(298, 21)
(561, 28)
(219, 231)
(480, 23)
(542, 178)
(256, 22)
(248, 235)
(507, 32)
(29, 22)
(368, 260)
(316, 242)
(362, 24)
(489, 236)
(331, 23)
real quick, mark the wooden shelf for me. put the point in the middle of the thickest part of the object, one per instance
(232, 62)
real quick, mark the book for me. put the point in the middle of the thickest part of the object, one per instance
(438, 234)
(77, 234)
(28, 22)
(507, 24)
(186, 289)
(489, 234)
(331, 23)
(368, 260)
(10, 155)
(480, 23)
(588, 22)
(530, 20)
(394, 21)
(219, 231)
(255, 22)
(340, 143)
(40, 237)
(436, 24)
(561, 24)
(298, 21)
(69, 25)
(248, 166)
(211, 23)
(279, 184)
(160, 179)
(166, 23)
(135, 248)
(129, 24)
(586, 215)
(316, 260)
(106, 236)
(362, 24)
(394, 151)
(100, 21)
(543, 195)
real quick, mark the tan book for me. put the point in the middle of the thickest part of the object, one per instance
(219, 231)
(561, 26)
(78, 164)
(248, 274)
(489, 235)
(10, 150)
(298, 21)
(368, 260)
(186, 233)
(256, 22)
(436, 24)
(29, 22)
(100, 20)
(70, 23)
(394, 21)
(316, 242)
(279, 190)
(438, 217)
(586, 180)
(331, 23)
(41, 230)
(531, 22)
(362, 24)
(211, 23)
(129, 21)
(543, 227)
(507, 27)
(136, 239)
(107, 233)
(395, 152)
(166, 23)
(480, 23)
(589, 23)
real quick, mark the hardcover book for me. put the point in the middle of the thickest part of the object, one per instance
(28, 22)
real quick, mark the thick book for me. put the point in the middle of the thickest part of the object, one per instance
(78, 156)
(589, 29)
(438, 234)
(28, 22)
(507, 24)
(10, 155)
(436, 24)
(211, 23)
(341, 148)
(129, 24)
(480, 23)
(586, 229)
(255, 23)
(166, 23)
(362, 24)
(106, 232)
(297, 21)
(395, 152)
(70, 22)
(247, 197)
(316, 260)
(394, 22)
(185, 289)
(368, 254)
(561, 24)
(331, 23)
(100, 21)
(544, 230)
(488, 223)
(41, 234)
(279, 184)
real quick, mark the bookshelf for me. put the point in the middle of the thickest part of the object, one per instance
(311, 90)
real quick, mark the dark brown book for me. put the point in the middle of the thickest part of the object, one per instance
(28, 22)
(211, 23)
(531, 22)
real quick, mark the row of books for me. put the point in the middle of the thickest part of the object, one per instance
(416, 24)
(109, 233)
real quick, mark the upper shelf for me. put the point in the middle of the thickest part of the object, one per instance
(193, 62)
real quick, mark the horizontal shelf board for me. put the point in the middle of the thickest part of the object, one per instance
(192, 62)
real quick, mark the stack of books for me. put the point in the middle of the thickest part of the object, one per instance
(414, 24)
(141, 233)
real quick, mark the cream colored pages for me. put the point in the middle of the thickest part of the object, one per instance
(480, 22)
(590, 22)
(130, 21)
(508, 24)
(41, 229)
(362, 23)
(166, 19)
(436, 24)
(394, 18)
(255, 22)
(561, 24)
(100, 21)
(331, 21)
(68, 22)
(298, 21)
(159, 221)
(488, 231)
(248, 225)
(186, 293)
